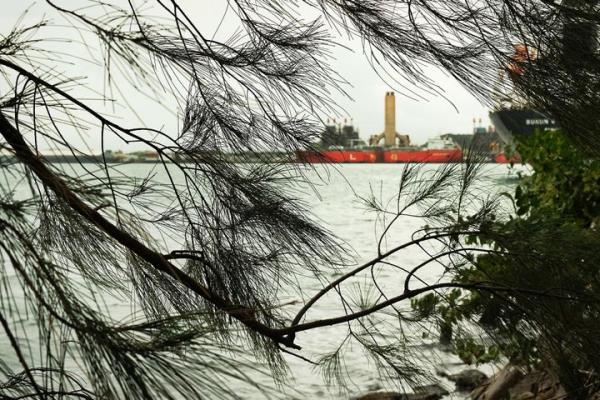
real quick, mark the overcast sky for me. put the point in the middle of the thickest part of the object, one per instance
(420, 119)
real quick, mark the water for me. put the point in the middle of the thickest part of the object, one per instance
(342, 211)
(335, 202)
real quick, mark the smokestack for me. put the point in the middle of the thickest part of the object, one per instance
(390, 119)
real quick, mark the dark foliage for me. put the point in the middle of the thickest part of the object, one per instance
(550, 243)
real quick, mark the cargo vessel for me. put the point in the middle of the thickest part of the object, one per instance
(340, 143)
(370, 156)
(511, 121)
(513, 115)
(520, 121)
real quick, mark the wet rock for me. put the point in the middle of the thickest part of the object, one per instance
(445, 334)
(441, 372)
(468, 379)
(511, 383)
(524, 396)
(428, 392)
(381, 396)
(541, 384)
(373, 387)
(498, 386)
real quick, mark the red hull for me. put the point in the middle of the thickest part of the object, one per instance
(422, 156)
(381, 156)
(339, 156)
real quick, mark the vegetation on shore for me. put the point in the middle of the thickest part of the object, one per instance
(551, 242)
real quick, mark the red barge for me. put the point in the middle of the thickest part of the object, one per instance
(382, 156)
(341, 144)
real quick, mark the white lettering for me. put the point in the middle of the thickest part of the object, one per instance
(538, 122)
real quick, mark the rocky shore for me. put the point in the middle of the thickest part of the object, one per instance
(509, 383)
(464, 381)
(513, 383)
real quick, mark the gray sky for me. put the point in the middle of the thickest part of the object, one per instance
(420, 119)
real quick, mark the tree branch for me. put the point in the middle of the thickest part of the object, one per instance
(374, 261)
(155, 259)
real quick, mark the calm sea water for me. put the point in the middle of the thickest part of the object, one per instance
(340, 208)
(334, 200)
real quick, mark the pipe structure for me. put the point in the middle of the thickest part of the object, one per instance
(390, 120)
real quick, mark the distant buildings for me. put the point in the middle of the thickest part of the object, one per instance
(483, 140)
(75, 156)
(134, 157)
(340, 135)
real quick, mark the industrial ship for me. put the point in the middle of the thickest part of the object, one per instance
(513, 120)
(513, 115)
(340, 143)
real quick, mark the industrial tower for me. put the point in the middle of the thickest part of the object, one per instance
(390, 136)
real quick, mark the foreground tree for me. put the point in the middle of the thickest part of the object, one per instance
(203, 247)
